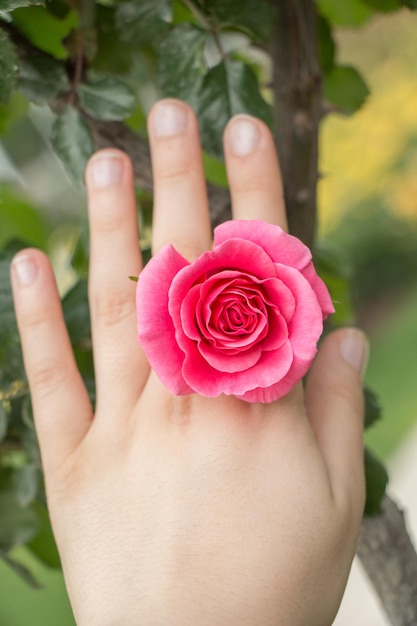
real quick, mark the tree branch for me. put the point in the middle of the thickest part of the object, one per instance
(385, 549)
(390, 561)
(297, 102)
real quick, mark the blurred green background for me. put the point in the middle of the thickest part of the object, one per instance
(368, 213)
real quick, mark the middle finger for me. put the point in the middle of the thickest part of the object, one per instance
(181, 214)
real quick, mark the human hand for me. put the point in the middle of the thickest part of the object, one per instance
(188, 510)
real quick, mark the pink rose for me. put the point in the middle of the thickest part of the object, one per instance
(243, 319)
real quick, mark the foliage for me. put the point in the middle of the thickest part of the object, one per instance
(99, 61)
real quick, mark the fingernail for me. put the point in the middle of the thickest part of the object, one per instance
(106, 170)
(169, 119)
(354, 349)
(244, 136)
(25, 270)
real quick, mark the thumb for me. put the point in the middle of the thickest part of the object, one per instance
(335, 407)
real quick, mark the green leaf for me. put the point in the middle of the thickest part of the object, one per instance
(77, 313)
(25, 484)
(227, 89)
(3, 421)
(344, 87)
(326, 45)
(80, 255)
(335, 271)
(255, 17)
(72, 141)
(85, 365)
(45, 31)
(18, 525)
(376, 479)
(106, 98)
(344, 12)
(43, 545)
(42, 79)
(8, 67)
(11, 112)
(21, 570)
(20, 219)
(59, 8)
(372, 407)
(114, 56)
(181, 65)
(8, 326)
(11, 5)
(143, 21)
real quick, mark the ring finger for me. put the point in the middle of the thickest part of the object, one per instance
(253, 171)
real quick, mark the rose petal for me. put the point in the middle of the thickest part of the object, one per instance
(226, 362)
(306, 325)
(277, 331)
(280, 246)
(298, 369)
(319, 288)
(156, 331)
(277, 293)
(204, 379)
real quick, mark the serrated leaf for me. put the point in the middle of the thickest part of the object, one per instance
(21, 570)
(227, 89)
(181, 65)
(72, 141)
(372, 407)
(326, 45)
(11, 5)
(106, 98)
(77, 313)
(143, 21)
(41, 79)
(345, 88)
(255, 17)
(8, 67)
(344, 12)
(376, 479)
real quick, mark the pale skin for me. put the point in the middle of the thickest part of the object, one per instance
(188, 510)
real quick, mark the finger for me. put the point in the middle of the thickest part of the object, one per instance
(335, 406)
(253, 171)
(61, 405)
(181, 214)
(120, 365)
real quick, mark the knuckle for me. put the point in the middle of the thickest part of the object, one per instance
(47, 377)
(248, 184)
(174, 169)
(114, 308)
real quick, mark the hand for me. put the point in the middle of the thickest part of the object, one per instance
(188, 510)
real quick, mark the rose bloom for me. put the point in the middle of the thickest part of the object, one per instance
(243, 319)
